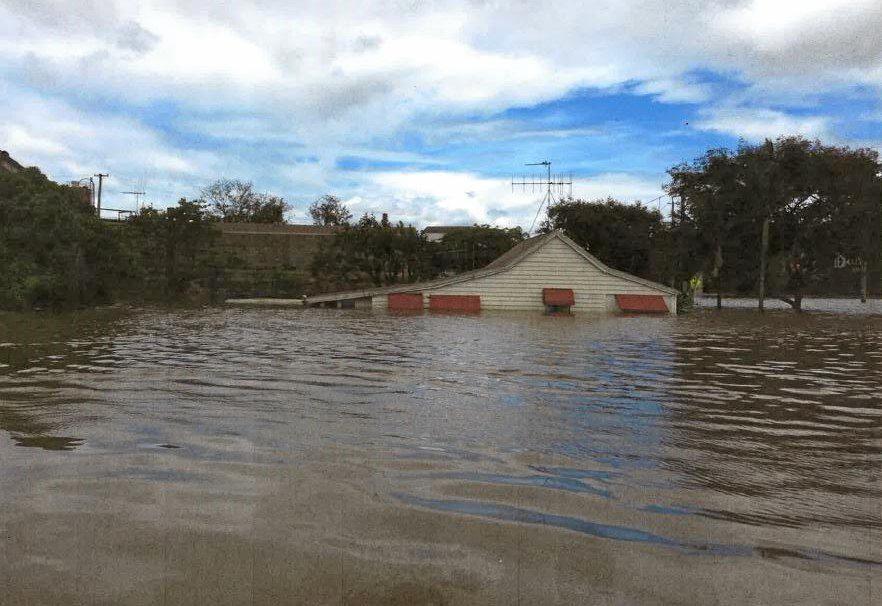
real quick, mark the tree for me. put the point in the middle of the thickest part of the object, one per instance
(467, 248)
(851, 191)
(329, 210)
(781, 178)
(372, 253)
(713, 210)
(235, 201)
(622, 235)
(775, 215)
(171, 249)
(54, 251)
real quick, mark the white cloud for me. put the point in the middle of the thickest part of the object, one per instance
(69, 144)
(755, 124)
(25, 142)
(378, 64)
(273, 79)
(675, 90)
(625, 187)
(449, 197)
(803, 46)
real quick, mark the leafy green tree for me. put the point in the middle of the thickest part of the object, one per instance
(850, 208)
(329, 210)
(54, 251)
(466, 248)
(235, 201)
(624, 236)
(171, 250)
(771, 217)
(372, 253)
(716, 214)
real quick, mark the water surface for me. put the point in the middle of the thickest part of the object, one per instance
(239, 456)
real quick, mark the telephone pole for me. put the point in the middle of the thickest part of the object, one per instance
(137, 195)
(101, 177)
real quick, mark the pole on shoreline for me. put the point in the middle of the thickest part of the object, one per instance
(101, 177)
(764, 249)
(864, 281)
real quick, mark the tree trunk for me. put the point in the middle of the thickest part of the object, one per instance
(864, 281)
(764, 249)
(718, 263)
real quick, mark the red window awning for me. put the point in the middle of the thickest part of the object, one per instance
(403, 301)
(455, 303)
(653, 304)
(561, 297)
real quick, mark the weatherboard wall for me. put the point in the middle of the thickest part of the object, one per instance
(554, 265)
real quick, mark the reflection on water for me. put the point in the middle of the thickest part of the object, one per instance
(318, 456)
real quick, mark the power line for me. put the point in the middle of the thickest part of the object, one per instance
(137, 195)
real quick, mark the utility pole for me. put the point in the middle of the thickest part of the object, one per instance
(548, 182)
(101, 177)
(764, 250)
(137, 195)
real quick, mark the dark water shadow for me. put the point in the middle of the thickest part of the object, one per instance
(28, 431)
(47, 442)
(555, 483)
(507, 513)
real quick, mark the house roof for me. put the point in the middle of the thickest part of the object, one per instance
(501, 264)
(522, 249)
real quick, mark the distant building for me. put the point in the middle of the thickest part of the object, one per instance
(548, 273)
(8, 164)
(436, 233)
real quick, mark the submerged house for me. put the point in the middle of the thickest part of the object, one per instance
(548, 272)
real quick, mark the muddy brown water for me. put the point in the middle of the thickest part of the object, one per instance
(248, 456)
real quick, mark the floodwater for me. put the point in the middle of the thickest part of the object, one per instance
(872, 306)
(271, 456)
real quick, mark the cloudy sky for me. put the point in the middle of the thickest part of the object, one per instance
(424, 109)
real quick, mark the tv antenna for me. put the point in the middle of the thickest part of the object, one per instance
(551, 184)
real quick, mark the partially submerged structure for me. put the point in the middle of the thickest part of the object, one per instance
(549, 273)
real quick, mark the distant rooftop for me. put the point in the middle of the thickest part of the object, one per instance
(440, 229)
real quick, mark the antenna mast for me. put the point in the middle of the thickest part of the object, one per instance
(549, 182)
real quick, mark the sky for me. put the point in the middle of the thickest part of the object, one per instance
(424, 109)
